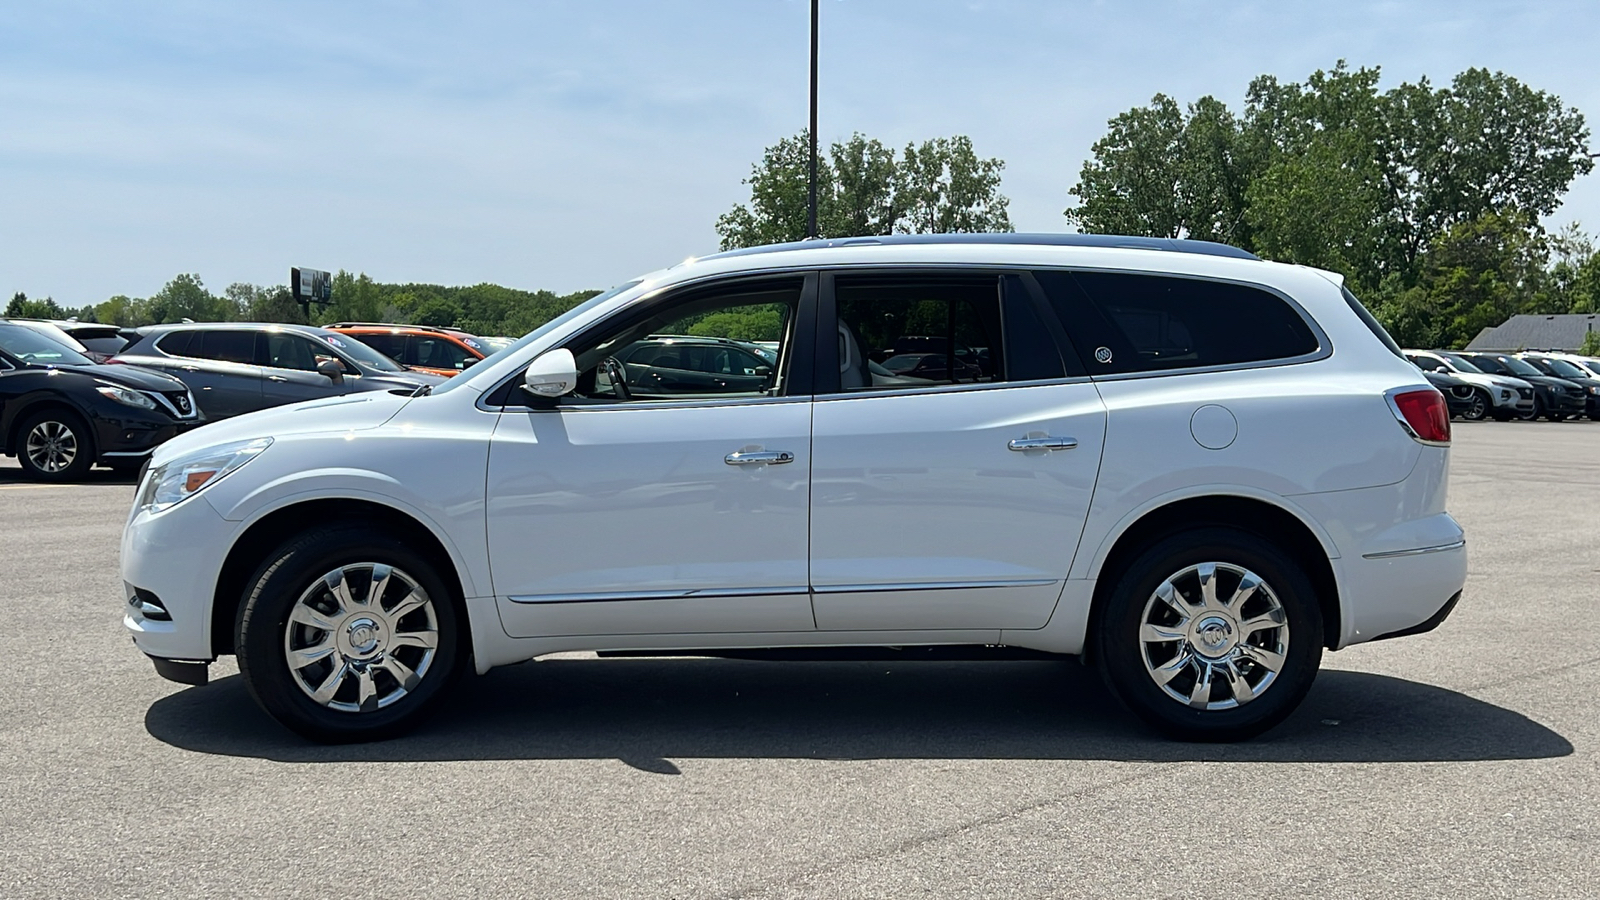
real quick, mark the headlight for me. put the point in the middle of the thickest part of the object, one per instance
(124, 395)
(182, 478)
(1505, 395)
(1594, 388)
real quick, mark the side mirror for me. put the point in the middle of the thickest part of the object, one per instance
(469, 362)
(763, 370)
(333, 369)
(1442, 370)
(554, 374)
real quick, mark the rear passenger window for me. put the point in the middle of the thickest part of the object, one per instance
(225, 346)
(1138, 323)
(389, 344)
(897, 333)
(177, 343)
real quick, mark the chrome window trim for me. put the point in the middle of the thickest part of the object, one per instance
(1395, 554)
(951, 388)
(643, 404)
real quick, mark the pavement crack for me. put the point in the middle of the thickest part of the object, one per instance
(944, 834)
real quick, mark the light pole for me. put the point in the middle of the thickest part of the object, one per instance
(811, 182)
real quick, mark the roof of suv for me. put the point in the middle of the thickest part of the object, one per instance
(1173, 245)
(392, 326)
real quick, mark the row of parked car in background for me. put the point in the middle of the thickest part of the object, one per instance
(73, 394)
(1503, 386)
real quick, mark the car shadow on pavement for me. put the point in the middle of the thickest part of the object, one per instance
(645, 712)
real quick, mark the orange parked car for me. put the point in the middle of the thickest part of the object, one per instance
(441, 351)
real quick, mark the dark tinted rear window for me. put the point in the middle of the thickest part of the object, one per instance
(1137, 323)
(177, 343)
(226, 346)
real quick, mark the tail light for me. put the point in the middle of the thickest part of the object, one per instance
(1422, 413)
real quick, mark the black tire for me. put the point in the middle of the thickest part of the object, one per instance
(276, 589)
(68, 432)
(1122, 653)
(1481, 404)
(1533, 414)
(1594, 417)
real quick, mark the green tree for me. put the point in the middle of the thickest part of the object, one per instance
(23, 308)
(865, 188)
(749, 323)
(1334, 172)
(1591, 344)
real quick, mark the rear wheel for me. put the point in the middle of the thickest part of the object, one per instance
(348, 635)
(1211, 635)
(54, 445)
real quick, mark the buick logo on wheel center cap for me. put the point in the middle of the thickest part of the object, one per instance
(1214, 634)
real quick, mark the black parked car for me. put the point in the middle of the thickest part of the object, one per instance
(240, 367)
(1553, 398)
(1461, 398)
(676, 363)
(61, 412)
(1565, 370)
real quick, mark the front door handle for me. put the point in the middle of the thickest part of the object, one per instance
(276, 378)
(758, 458)
(1043, 443)
(190, 368)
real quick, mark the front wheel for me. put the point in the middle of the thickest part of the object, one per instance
(1532, 412)
(1211, 635)
(348, 635)
(54, 445)
(1479, 408)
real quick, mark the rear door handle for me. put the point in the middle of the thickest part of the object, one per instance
(276, 378)
(1043, 443)
(190, 368)
(758, 458)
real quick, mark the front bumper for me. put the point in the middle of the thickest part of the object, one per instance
(174, 557)
(128, 432)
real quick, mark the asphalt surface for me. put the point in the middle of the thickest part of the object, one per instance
(1465, 762)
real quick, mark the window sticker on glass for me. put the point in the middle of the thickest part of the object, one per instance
(334, 341)
(472, 343)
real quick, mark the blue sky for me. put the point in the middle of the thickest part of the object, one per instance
(572, 145)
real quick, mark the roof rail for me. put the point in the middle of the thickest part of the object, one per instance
(441, 329)
(1172, 245)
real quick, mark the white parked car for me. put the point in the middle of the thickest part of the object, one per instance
(1195, 469)
(1501, 397)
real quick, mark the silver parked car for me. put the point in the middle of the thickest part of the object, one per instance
(240, 367)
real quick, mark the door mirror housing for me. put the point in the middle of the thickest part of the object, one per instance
(554, 374)
(333, 369)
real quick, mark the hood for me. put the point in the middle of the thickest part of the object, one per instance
(410, 378)
(1508, 381)
(1549, 381)
(130, 376)
(352, 412)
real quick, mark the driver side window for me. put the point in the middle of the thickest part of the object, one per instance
(731, 341)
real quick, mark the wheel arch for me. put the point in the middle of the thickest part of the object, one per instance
(272, 529)
(1269, 521)
(28, 404)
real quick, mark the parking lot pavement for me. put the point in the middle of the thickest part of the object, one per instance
(1465, 762)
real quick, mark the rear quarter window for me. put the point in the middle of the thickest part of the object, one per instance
(1122, 322)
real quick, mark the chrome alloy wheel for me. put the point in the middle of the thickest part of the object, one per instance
(1214, 636)
(51, 446)
(358, 655)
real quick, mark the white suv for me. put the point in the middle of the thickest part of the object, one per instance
(1192, 468)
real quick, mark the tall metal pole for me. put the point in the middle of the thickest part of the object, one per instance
(811, 189)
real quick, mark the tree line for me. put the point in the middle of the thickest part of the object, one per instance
(486, 309)
(1427, 199)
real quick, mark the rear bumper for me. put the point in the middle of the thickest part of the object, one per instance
(1400, 592)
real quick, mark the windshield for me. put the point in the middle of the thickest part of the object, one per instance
(38, 348)
(1517, 366)
(544, 329)
(1564, 369)
(1461, 364)
(493, 345)
(362, 354)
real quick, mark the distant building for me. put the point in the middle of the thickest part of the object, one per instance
(1564, 332)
